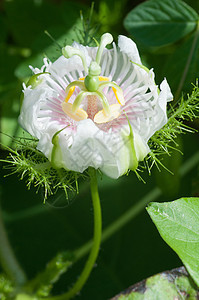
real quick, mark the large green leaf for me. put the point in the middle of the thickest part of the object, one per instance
(178, 224)
(28, 19)
(181, 69)
(174, 284)
(47, 48)
(157, 22)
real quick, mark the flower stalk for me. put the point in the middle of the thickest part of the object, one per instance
(95, 245)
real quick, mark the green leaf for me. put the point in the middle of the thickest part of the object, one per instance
(28, 19)
(157, 287)
(182, 66)
(8, 62)
(157, 22)
(178, 224)
(174, 284)
(47, 48)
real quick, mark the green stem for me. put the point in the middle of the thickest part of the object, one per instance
(8, 260)
(121, 221)
(95, 244)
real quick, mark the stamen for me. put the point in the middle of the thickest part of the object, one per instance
(78, 101)
(79, 115)
(71, 87)
(69, 51)
(105, 40)
(105, 103)
(116, 89)
(102, 117)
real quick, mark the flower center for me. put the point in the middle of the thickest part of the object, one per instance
(91, 87)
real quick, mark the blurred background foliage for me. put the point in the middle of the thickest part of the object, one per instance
(39, 231)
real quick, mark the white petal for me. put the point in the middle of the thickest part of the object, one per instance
(88, 146)
(165, 94)
(30, 111)
(91, 147)
(63, 65)
(160, 112)
(164, 97)
(127, 46)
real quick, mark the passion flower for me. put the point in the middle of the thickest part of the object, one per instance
(95, 107)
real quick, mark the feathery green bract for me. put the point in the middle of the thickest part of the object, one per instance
(86, 35)
(163, 141)
(37, 170)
